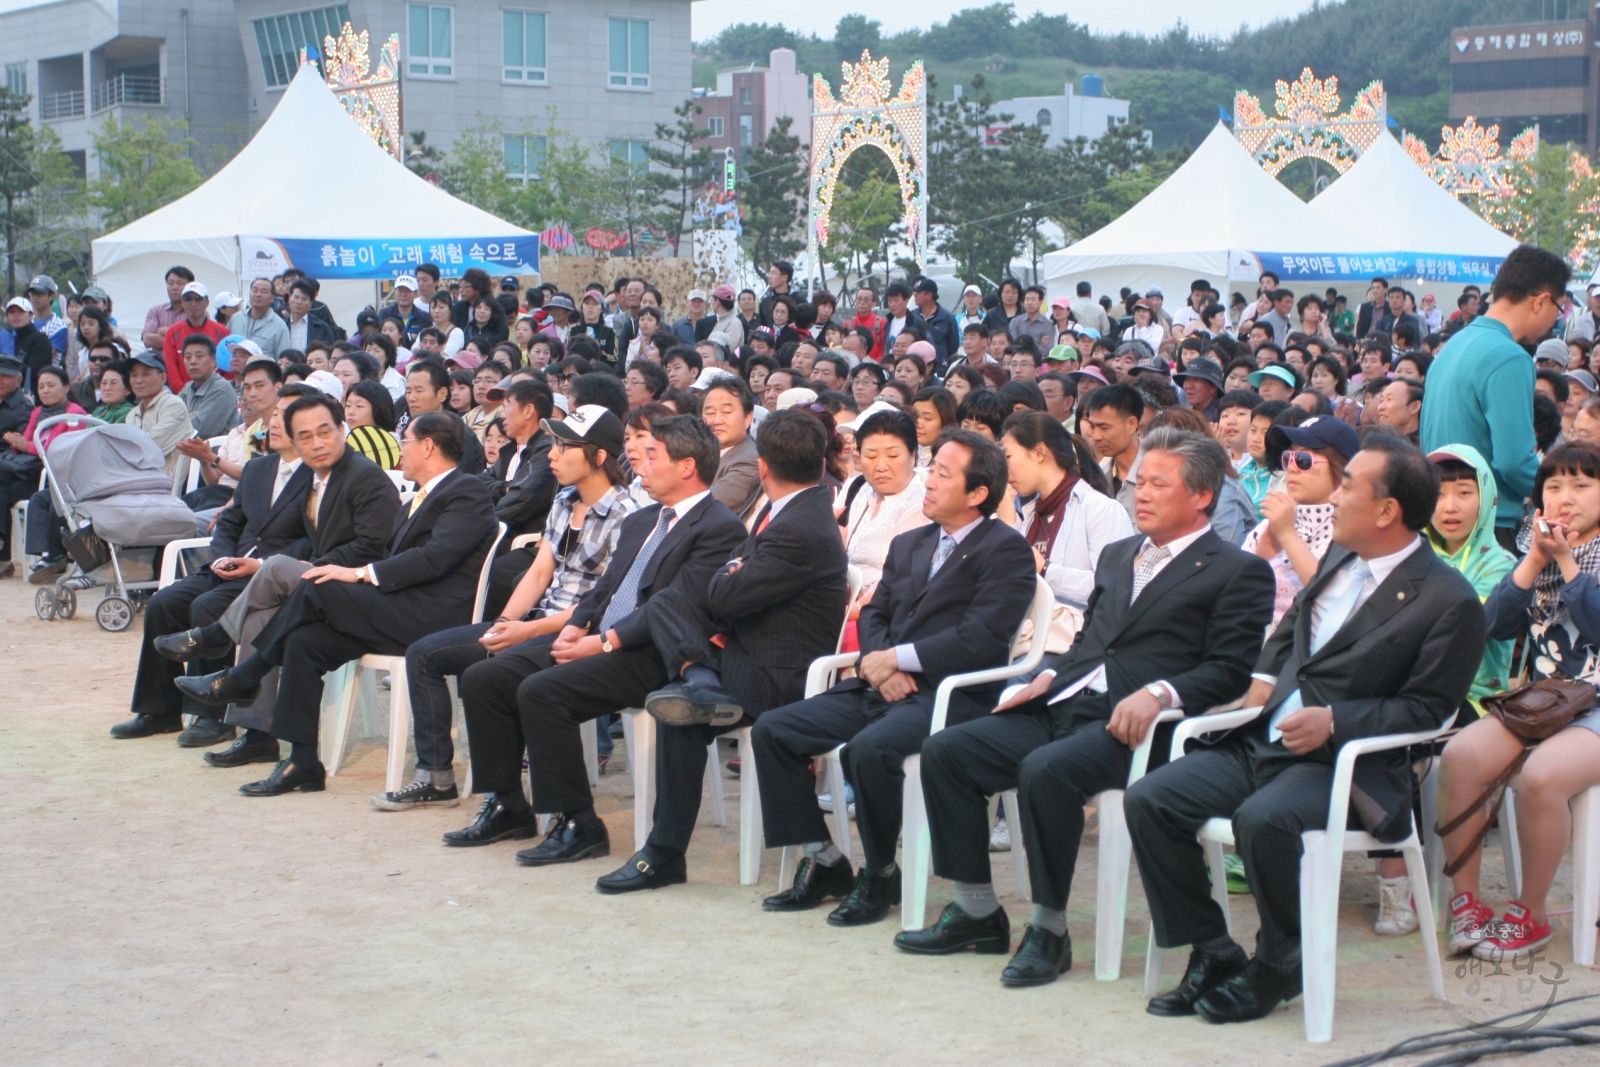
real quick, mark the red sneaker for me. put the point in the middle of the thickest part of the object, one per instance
(1470, 923)
(1514, 935)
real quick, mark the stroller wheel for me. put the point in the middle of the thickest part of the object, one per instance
(66, 604)
(44, 604)
(114, 614)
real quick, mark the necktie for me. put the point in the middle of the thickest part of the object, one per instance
(282, 479)
(314, 500)
(947, 545)
(416, 502)
(626, 598)
(1335, 614)
(1152, 559)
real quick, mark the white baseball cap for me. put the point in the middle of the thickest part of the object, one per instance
(406, 281)
(198, 290)
(228, 300)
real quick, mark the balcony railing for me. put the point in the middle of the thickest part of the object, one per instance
(128, 89)
(61, 105)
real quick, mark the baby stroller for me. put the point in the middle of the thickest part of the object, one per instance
(110, 485)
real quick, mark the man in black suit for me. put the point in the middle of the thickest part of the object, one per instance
(532, 698)
(950, 601)
(348, 511)
(426, 581)
(428, 389)
(264, 518)
(1384, 640)
(771, 610)
(1175, 621)
(521, 483)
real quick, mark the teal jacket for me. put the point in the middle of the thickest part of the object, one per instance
(1480, 393)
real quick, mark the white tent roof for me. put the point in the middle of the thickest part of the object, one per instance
(310, 172)
(1386, 197)
(1219, 200)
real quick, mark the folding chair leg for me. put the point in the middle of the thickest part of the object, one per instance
(1417, 868)
(1152, 965)
(644, 775)
(719, 803)
(1219, 881)
(399, 723)
(1585, 874)
(1019, 848)
(750, 830)
(1111, 900)
(915, 848)
(1319, 930)
(841, 805)
(458, 733)
(1432, 843)
(1510, 846)
(590, 733)
(341, 684)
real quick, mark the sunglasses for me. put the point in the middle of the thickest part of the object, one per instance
(1303, 461)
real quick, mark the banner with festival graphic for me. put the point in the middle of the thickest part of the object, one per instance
(1332, 267)
(364, 258)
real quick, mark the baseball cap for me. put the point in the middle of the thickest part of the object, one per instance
(19, 302)
(42, 283)
(327, 382)
(152, 360)
(1141, 304)
(973, 289)
(1583, 378)
(870, 410)
(1202, 370)
(1089, 331)
(1062, 352)
(1283, 374)
(592, 294)
(244, 344)
(228, 300)
(764, 333)
(1319, 431)
(798, 395)
(406, 281)
(560, 301)
(509, 284)
(1061, 302)
(923, 350)
(926, 285)
(465, 359)
(1553, 350)
(696, 294)
(197, 289)
(1153, 363)
(97, 294)
(1153, 291)
(723, 292)
(10, 366)
(1087, 372)
(591, 424)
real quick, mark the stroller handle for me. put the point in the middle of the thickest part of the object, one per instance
(45, 424)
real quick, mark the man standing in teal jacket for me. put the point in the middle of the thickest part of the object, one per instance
(1480, 388)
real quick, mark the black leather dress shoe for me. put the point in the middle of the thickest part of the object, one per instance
(189, 645)
(204, 733)
(682, 704)
(1205, 972)
(494, 823)
(242, 752)
(1042, 957)
(1253, 994)
(643, 872)
(869, 899)
(955, 930)
(567, 842)
(813, 883)
(147, 726)
(286, 777)
(217, 690)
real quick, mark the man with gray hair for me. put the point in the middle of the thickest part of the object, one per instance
(1071, 732)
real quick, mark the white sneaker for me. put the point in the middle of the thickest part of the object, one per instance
(1397, 915)
(1000, 837)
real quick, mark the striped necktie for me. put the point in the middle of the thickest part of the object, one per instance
(626, 598)
(1149, 563)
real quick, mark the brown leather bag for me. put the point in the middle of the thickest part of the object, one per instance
(1533, 712)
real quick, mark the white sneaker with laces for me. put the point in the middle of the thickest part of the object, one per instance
(1000, 837)
(1397, 916)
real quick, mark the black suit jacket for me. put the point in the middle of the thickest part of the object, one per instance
(696, 546)
(963, 619)
(253, 522)
(524, 503)
(1402, 663)
(785, 604)
(355, 516)
(429, 574)
(1197, 625)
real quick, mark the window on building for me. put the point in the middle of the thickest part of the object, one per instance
(281, 37)
(524, 157)
(630, 152)
(1503, 75)
(715, 125)
(17, 78)
(1043, 118)
(747, 131)
(430, 41)
(524, 46)
(630, 54)
(744, 94)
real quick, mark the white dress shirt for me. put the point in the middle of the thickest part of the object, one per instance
(1380, 566)
(905, 656)
(285, 472)
(427, 487)
(1095, 680)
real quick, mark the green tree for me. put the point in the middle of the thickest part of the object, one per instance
(1555, 204)
(687, 165)
(36, 187)
(1179, 107)
(630, 200)
(143, 166)
(855, 33)
(1106, 177)
(773, 195)
(971, 196)
(866, 222)
(749, 42)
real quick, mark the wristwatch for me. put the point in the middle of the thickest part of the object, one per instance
(606, 645)
(1159, 691)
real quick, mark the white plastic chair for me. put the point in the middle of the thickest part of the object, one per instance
(349, 681)
(1585, 866)
(916, 845)
(19, 524)
(1319, 871)
(172, 558)
(640, 732)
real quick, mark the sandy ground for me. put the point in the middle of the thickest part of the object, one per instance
(152, 914)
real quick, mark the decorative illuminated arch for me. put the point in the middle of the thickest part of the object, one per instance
(1470, 162)
(865, 114)
(371, 96)
(1308, 125)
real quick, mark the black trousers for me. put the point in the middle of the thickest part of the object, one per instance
(1056, 757)
(880, 736)
(198, 600)
(504, 574)
(1271, 795)
(16, 484)
(319, 628)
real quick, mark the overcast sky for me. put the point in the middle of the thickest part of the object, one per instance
(1149, 16)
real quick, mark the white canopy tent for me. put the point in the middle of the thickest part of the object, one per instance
(310, 174)
(1387, 198)
(1204, 221)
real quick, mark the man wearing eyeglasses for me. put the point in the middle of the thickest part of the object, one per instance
(196, 304)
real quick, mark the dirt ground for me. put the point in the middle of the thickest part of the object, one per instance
(154, 915)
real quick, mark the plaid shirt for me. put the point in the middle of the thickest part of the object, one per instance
(579, 569)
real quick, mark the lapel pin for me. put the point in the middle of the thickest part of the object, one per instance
(1400, 596)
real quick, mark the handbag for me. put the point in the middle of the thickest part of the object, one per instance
(1533, 712)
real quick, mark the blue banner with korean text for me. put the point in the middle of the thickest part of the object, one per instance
(387, 258)
(1331, 267)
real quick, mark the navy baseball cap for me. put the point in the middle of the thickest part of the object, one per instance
(1319, 431)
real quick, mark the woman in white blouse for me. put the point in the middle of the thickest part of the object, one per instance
(891, 503)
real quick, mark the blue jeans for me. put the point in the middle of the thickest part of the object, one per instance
(428, 662)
